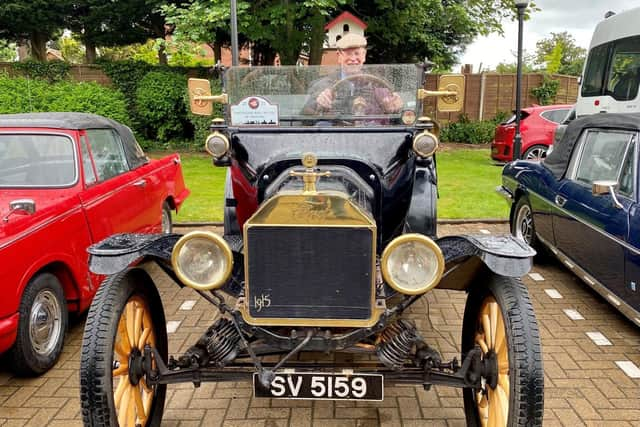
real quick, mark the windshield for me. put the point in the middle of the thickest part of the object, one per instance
(320, 95)
(36, 160)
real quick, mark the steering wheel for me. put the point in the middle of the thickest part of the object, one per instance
(361, 77)
(358, 101)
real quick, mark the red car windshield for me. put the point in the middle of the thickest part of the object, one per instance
(36, 160)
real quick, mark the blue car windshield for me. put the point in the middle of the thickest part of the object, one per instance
(373, 95)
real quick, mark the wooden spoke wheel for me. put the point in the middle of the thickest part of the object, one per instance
(120, 323)
(499, 319)
(132, 397)
(493, 398)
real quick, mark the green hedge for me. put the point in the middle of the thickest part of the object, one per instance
(154, 97)
(160, 105)
(23, 95)
(471, 132)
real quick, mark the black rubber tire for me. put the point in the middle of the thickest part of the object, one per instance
(166, 213)
(96, 380)
(541, 148)
(23, 359)
(526, 375)
(521, 208)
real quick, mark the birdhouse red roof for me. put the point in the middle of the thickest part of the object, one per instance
(343, 17)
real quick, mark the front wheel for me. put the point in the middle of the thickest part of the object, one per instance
(42, 326)
(499, 318)
(522, 225)
(126, 315)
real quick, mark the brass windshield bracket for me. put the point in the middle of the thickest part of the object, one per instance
(423, 93)
(450, 93)
(216, 99)
(200, 99)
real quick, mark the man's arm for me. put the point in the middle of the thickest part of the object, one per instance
(320, 97)
(391, 102)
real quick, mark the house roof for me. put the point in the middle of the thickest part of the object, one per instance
(343, 17)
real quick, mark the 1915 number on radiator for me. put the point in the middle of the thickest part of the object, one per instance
(322, 386)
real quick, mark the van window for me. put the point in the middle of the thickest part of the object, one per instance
(594, 74)
(624, 69)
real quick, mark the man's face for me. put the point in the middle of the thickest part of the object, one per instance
(352, 59)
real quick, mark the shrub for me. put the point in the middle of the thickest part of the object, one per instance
(127, 75)
(547, 91)
(20, 95)
(160, 105)
(89, 97)
(470, 132)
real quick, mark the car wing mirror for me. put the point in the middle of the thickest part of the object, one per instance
(21, 206)
(450, 93)
(200, 98)
(598, 188)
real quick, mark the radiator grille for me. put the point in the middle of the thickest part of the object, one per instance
(297, 272)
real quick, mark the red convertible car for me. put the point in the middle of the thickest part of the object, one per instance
(67, 180)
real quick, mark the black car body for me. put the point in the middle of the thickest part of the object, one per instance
(581, 203)
(330, 235)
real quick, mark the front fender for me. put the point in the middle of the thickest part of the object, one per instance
(467, 256)
(116, 253)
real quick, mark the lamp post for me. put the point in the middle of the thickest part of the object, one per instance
(234, 33)
(517, 139)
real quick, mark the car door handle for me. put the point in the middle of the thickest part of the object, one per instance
(141, 183)
(560, 201)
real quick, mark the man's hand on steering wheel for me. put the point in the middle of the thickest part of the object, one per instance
(383, 93)
(390, 101)
(325, 99)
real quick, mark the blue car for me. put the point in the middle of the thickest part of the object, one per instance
(581, 204)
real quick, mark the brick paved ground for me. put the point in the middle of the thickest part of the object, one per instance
(584, 385)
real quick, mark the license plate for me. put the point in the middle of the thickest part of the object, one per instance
(322, 386)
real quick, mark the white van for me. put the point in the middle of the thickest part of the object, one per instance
(612, 71)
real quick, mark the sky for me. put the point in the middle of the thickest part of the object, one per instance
(577, 17)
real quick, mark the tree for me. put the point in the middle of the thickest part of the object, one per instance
(282, 26)
(34, 20)
(560, 53)
(203, 21)
(398, 31)
(512, 67)
(440, 30)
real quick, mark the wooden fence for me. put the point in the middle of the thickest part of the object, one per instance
(486, 94)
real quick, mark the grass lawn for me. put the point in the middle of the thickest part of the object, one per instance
(206, 182)
(467, 181)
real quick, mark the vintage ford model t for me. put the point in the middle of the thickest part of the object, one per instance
(329, 238)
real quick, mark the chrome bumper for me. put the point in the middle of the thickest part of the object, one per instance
(505, 193)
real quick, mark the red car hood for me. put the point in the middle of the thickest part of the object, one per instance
(51, 204)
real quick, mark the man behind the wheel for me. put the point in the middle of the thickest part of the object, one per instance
(360, 96)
